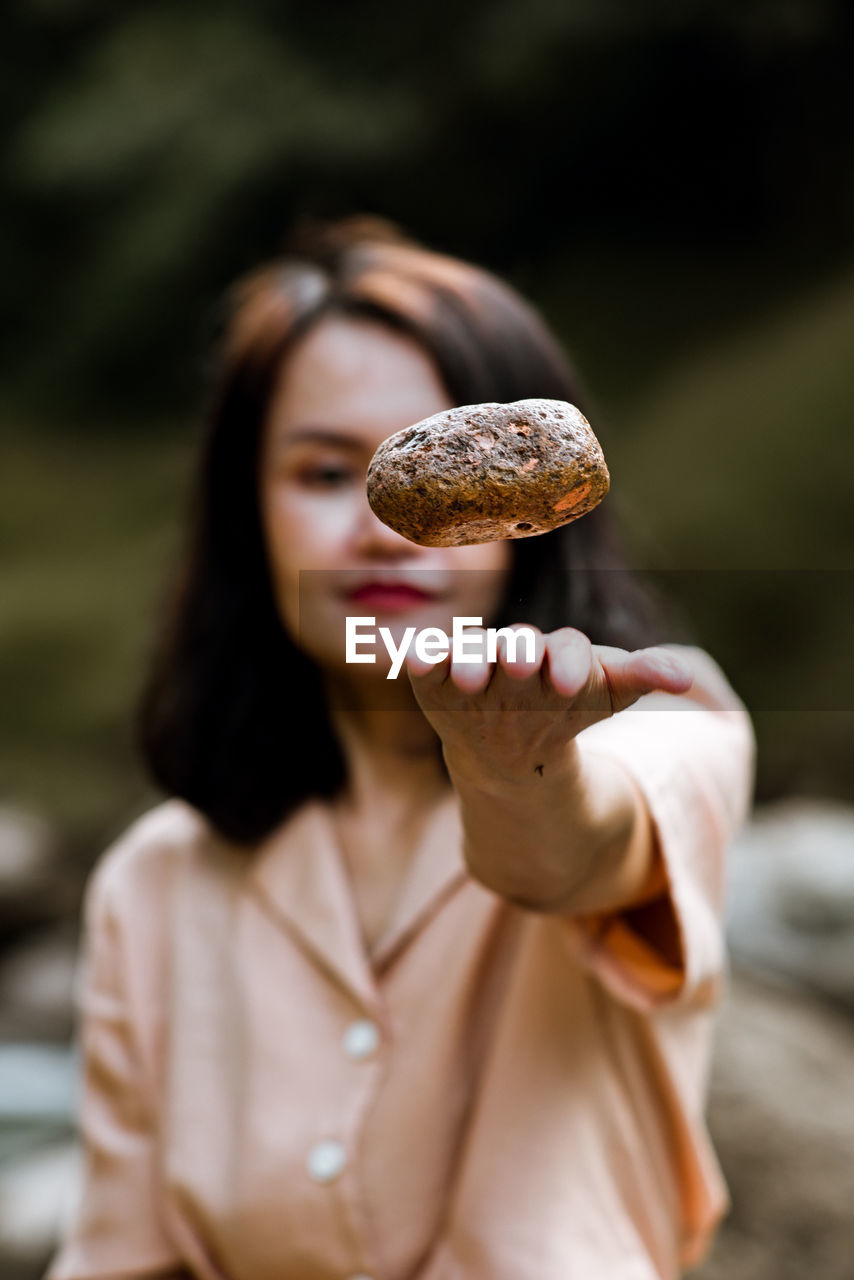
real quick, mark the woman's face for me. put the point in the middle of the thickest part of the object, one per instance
(346, 386)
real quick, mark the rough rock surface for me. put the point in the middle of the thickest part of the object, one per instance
(484, 472)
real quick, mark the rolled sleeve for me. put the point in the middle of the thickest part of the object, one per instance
(691, 759)
(117, 1230)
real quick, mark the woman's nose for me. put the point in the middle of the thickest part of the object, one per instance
(373, 538)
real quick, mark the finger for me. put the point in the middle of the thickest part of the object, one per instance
(424, 673)
(631, 675)
(663, 670)
(470, 669)
(570, 660)
(520, 658)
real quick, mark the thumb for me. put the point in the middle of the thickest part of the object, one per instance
(631, 675)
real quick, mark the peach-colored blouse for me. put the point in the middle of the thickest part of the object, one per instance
(492, 1094)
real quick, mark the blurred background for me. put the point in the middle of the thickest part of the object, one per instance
(672, 183)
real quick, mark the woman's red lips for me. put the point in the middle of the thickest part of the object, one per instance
(388, 595)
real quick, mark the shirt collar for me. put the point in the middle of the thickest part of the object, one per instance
(301, 876)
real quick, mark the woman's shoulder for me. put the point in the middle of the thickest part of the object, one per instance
(140, 864)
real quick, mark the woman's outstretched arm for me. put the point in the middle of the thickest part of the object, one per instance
(547, 825)
(623, 834)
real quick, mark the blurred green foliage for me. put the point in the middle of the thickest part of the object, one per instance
(671, 182)
(156, 149)
(89, 526)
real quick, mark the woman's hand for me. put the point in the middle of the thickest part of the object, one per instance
(544, 827)
(502, 722)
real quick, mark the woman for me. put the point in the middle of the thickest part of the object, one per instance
(410, 979)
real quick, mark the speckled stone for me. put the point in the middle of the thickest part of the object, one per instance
(484, 472)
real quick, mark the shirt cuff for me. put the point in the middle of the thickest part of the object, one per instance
(670, 949)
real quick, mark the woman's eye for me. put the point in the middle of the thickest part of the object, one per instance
(326, 475)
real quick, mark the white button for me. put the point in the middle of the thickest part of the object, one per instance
(326, 1159)
(361, 1038)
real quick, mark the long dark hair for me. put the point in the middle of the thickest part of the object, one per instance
(232, 717)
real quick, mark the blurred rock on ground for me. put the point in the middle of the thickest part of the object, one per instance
(782, 1120)
(791, 897)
